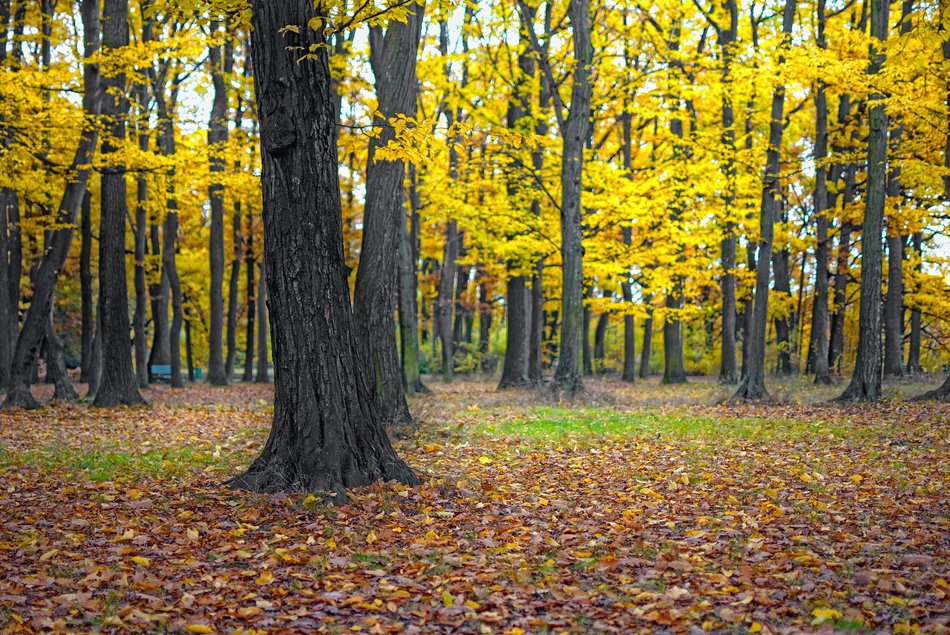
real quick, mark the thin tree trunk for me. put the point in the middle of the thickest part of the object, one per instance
(88, 326)
(55, 365)
(600, 335)
(515, 371)
(913, 347)
(783, 323)
(752, 385)
(408, 321)
(313, 325)
(234, 281)
(647, 347)
(217, 140)
(249, 267)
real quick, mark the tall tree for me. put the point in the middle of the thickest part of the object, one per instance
(393, 59)
(865, 384)
(752, 385)
(37, 323)
(322, 392)
(217, 139)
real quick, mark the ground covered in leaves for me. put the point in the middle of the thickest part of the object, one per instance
(637, 509)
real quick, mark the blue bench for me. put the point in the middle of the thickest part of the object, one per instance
(163, 372)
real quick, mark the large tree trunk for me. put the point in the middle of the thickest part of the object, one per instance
(119, 384)
(322, 393)
(87, 325)
(393, 58)
(37, 323)
(865, 383)
(575, 132)
(263, 372)
(217, 140)
(514, 374)
(752, 385)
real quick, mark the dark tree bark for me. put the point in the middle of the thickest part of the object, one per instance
(842, 277)
(263, 372)
(408, 321)
(322, 393)
(160, 352)
(119, 384)
(514, 374)
(87, 326)
(237, 254)
(393, 59)
(600, 336)
(865, 382)
(818, 344)
(55, 365)
(249, 267)
(189, 358)
(674, 370)
(574, 132)
(913, 346)
(587, 356)
(37, 323)
(783, 323)
(217, 139)
(752, 385)
(445, 301)
(485, 306)
(647, 347)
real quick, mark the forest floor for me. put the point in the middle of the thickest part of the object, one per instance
(636, 509)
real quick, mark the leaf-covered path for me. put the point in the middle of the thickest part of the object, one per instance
(615, 515)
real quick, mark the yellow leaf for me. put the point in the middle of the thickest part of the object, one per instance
(484, 460)
(857, 478)
(824, 615)
(266, 577)
(447, 599)
(371, 537)
(140, 560)
(200, 628)
(431, 447)
(755, 628)
(49, 554)
(310, 500)
(331, 543)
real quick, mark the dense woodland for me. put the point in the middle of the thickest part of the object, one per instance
(685, 188)
(474, 316)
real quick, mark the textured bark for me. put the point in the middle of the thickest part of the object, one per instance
(326, 433)
(393, 59)
(141, 240)
(119, 384)
(514, 374)
(894, 300)
(484, 326)
(263, 372)
(217, 138)
(865, 384)
(87, 324)
(575, 132)
(842, 277)
(587, 357)
(752, 385)
(160, 352)
(6, 308)
(249, 267)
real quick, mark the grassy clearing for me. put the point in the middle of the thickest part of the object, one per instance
(555, 423)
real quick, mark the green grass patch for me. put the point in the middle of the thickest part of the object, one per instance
(544, 422)
(106, 464)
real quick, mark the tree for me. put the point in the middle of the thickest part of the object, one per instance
(393, 59)
(752, 385)
(322, 392)
(865, 384)
(38, 322)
